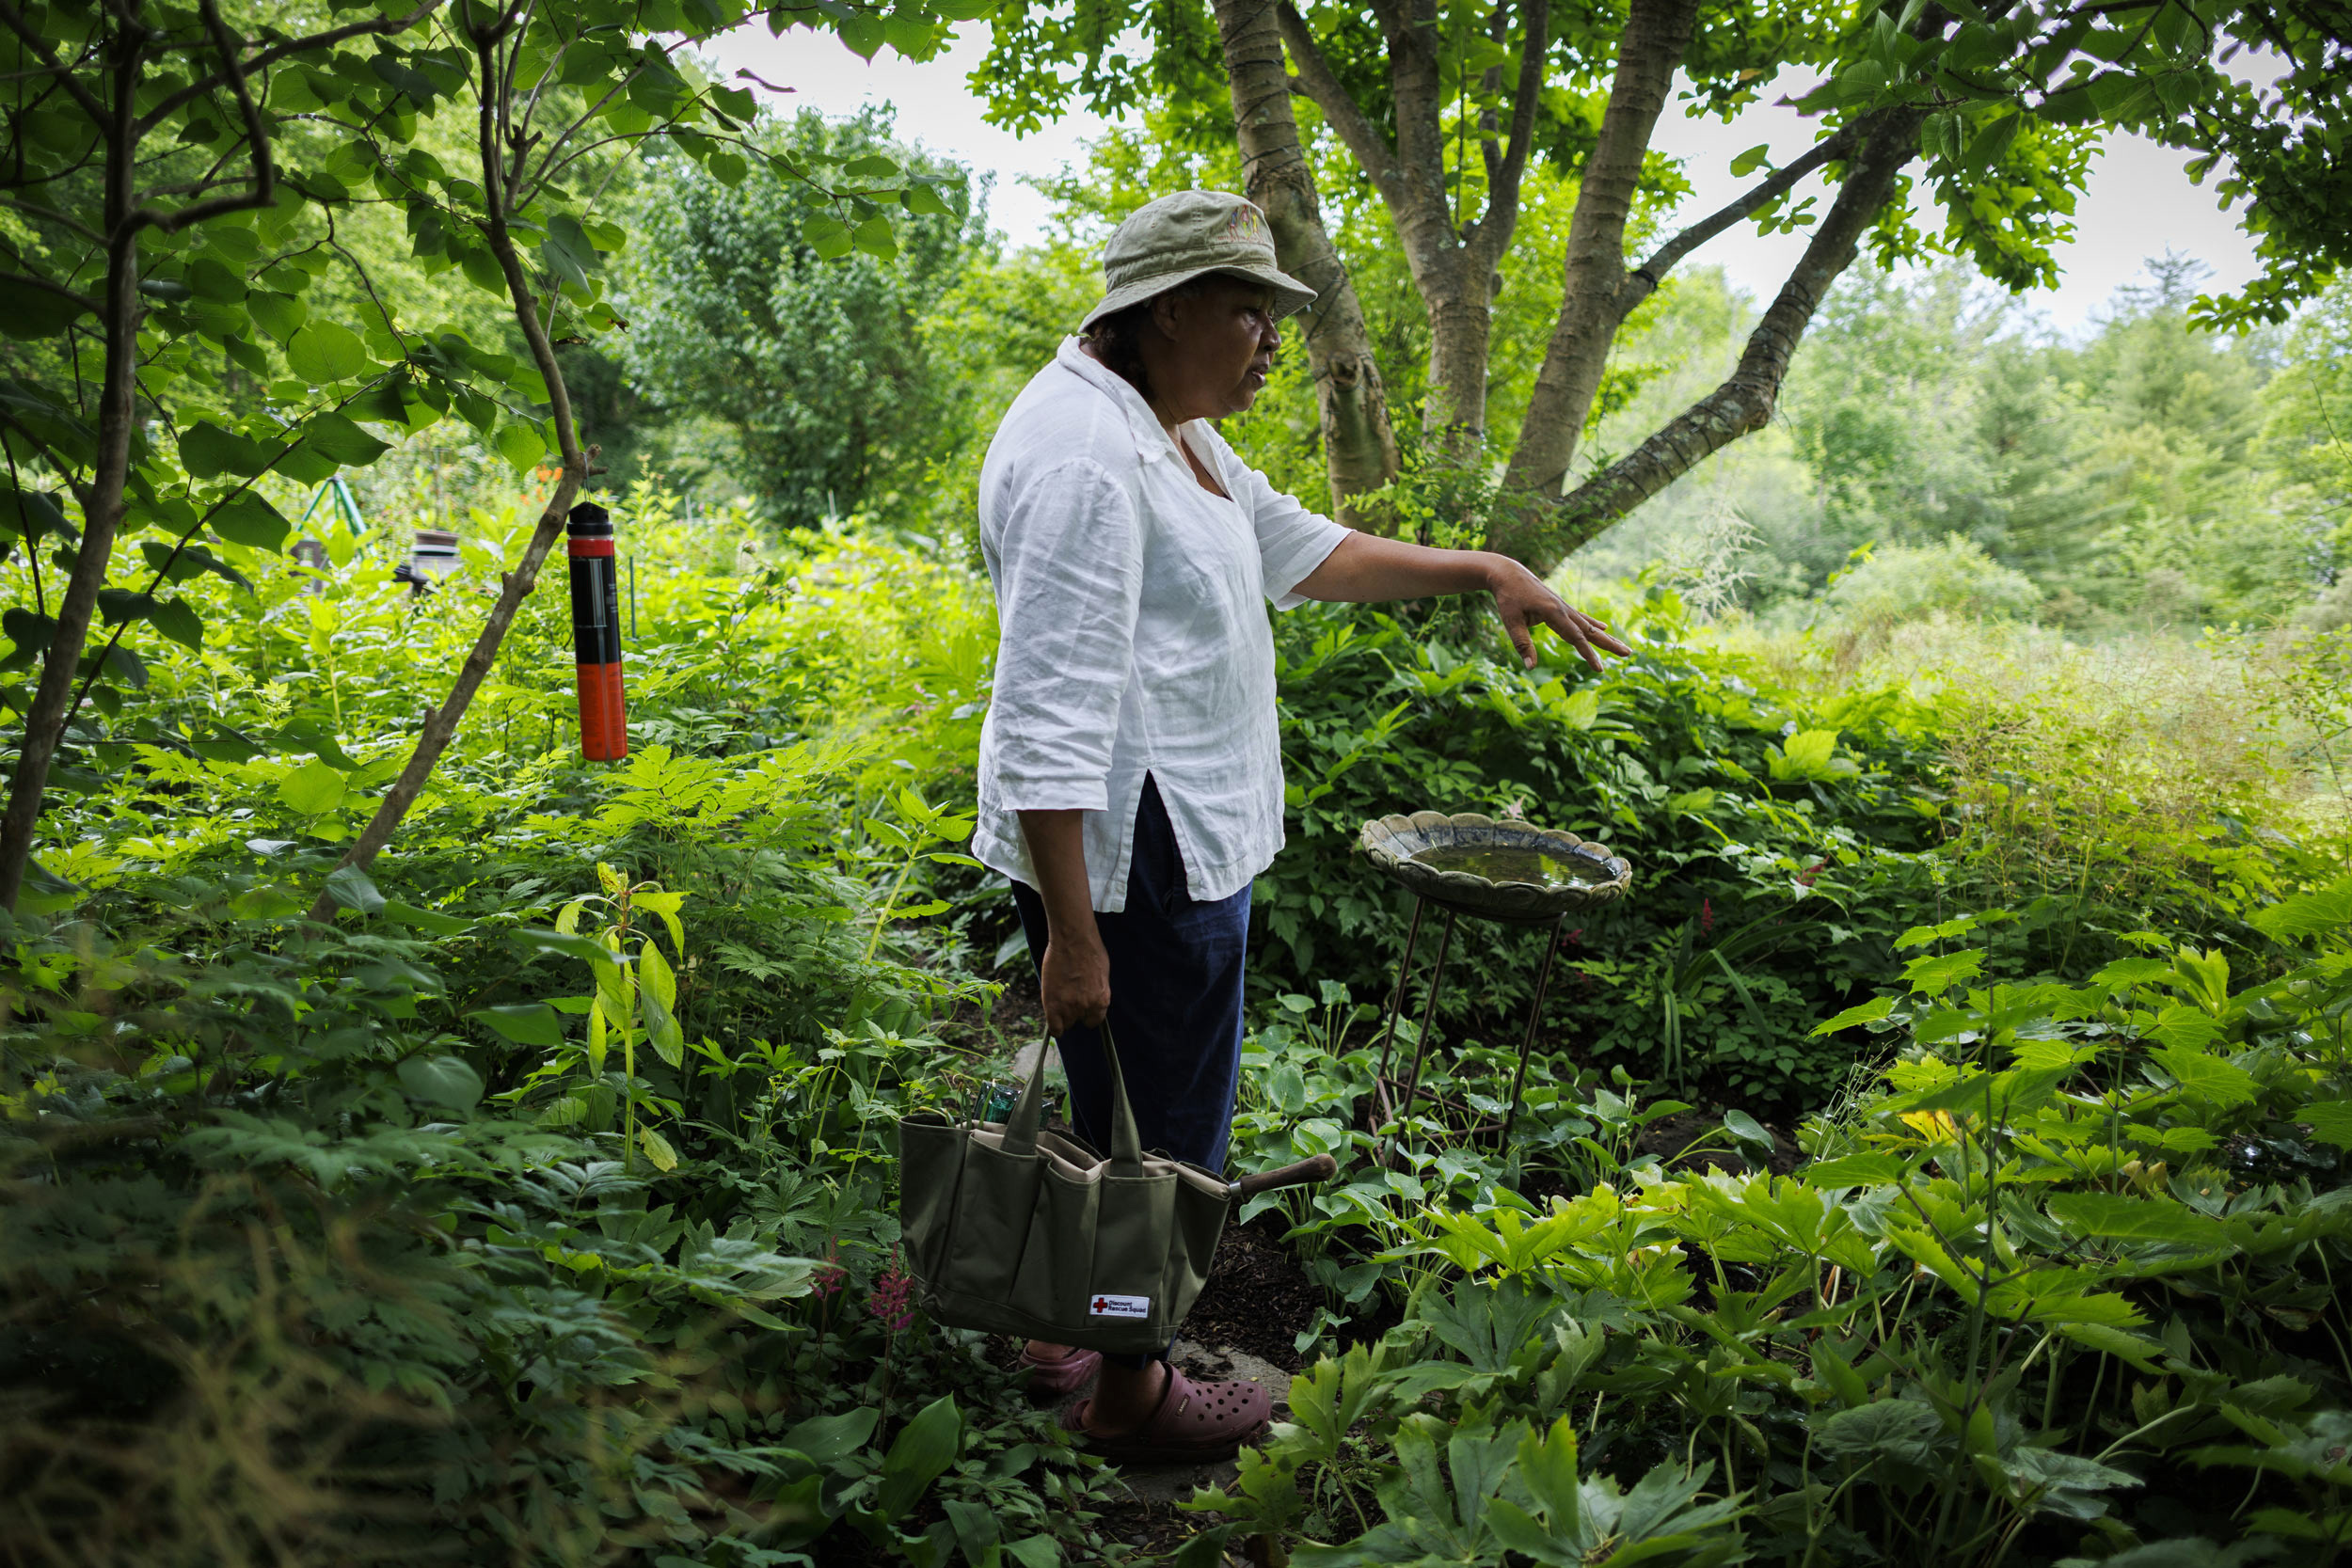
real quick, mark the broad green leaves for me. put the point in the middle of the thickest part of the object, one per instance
(323, 353)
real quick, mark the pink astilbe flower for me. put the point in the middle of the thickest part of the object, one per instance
(893, 1300)
(830, 1277)
(1707, 915)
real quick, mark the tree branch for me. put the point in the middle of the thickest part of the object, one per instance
(1364, 142)
(265, 184)
(1657, 34)
(386, 26)
(440, 725)
(1540, 533)
(42, 52)
(1501, 216)
(1652, 273)
(69, 295)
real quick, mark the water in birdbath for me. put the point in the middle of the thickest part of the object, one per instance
(1512, 862)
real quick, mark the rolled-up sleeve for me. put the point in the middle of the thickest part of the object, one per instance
(1069, 576)
(1292, 541)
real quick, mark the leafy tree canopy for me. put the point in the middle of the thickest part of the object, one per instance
(746, 303)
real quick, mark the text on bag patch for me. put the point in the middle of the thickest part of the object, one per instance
(1119, 1307)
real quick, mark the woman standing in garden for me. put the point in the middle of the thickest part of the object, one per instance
(1131, 771)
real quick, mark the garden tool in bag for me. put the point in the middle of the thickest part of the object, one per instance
(1013, 1230)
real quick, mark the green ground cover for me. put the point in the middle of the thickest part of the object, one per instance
(539, 1209)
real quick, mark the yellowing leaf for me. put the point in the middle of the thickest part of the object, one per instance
(658, 1149)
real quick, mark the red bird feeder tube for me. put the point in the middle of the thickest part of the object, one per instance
(596, 633)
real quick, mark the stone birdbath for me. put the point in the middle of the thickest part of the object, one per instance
(1510, 871)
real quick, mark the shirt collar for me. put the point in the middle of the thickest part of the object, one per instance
(1152, 442)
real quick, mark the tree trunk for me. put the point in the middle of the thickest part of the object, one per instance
(52, 702)
(1461, 336)
(1595, 301)
(1358, 443)
(1541, 533)
(440, 725)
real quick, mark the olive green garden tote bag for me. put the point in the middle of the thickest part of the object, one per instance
(1018, 1231)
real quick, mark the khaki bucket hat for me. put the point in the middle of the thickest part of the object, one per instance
(1181, 237)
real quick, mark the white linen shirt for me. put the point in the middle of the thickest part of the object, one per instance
(1133, 638)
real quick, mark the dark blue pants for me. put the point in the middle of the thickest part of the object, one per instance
(1176, 981)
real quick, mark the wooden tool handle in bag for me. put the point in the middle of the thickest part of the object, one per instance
(1316, 1168)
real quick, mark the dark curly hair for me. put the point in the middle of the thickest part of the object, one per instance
(1118, 337)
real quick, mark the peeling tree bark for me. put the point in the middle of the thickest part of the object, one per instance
(1594, 303)
(1358, 442)
(1455, 264)
(1540, 533)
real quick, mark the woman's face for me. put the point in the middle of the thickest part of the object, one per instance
(1212, 350)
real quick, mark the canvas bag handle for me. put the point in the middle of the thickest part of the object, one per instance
(1127, 1143)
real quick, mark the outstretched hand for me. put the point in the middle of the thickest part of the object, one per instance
(1521, 599)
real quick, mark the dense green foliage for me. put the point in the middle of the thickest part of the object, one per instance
(2150, 473)
(814, 366)
(528, 1198)
(509, 1219)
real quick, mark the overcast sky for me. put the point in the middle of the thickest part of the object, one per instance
(2138, 204)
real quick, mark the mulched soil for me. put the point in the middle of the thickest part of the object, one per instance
(1257, 1299)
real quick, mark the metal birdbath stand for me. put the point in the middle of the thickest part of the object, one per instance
(1506, 872)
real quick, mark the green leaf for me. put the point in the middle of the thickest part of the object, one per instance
(351, 889)
(657, 992)
(342, 442)
(520, 445)
(1747, 1130)
(656, 1148)
(922, 1452)
(1866, 1012)
(524, 1023)
(568, 252)
(175, 620)
(1753, 159)
(2124, 973)
(1936, 975)
(1809, 755)
(2330, 1121)
(431, 922)
(1992, 140)
(326, 351)
(1036, 1551)
(207, 451)
(313, 788)
(873, 165)
(2134, 1219)
(442, 1080)
(2137, 1349)
(1904, 1430)
(862, 33)
(924, 201)
(2307, 915)
(251, 521)
(827, 235)
(279, 315)
(874, 237)
(1854, 1170)
(2206, 1078)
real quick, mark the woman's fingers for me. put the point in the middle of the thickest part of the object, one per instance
(1520, 597)
(1577, 629)
(1521, 638)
